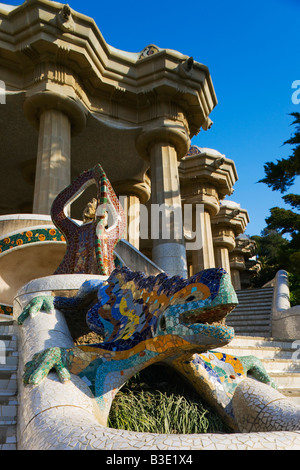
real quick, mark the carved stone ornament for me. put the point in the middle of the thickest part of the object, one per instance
(64, 19)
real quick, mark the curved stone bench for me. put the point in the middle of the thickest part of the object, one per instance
(30, 247)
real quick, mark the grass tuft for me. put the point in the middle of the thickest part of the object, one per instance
(157, 401)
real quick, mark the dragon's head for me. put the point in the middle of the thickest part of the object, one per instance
(197, 310)
(164, 313)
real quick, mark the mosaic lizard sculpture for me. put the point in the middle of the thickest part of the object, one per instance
(90, 245)
(145, 320)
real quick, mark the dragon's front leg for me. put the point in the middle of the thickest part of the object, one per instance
(41, 303)
(41, 364)
(85, 297)
(64, 361)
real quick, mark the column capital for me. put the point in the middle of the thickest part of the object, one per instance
(231, 217)
(237, 261)
(35, 104)
(197, 192)
(168, 132)
(223, 237)
(205, 167)
(140, 189)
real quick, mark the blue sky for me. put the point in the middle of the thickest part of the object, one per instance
(252, 51)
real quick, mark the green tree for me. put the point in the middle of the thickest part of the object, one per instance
(280, 176)
(271, 248)
(283, 223)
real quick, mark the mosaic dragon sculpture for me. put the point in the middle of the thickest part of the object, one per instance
(146, 320)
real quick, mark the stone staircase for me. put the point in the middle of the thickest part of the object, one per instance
(252, 317)
(8, 384)
(280, 358)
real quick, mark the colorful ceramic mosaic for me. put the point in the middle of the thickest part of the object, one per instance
(148, 51)
(34, 235)
(142, 320)
(89, 246)
(216, 375)
(6, 310)
(194, 150)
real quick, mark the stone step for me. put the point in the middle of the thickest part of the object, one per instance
(257, 331)
(8, 439)
(252, 316)
(246, 300)
(8, 343)
(254, 295)
(261, 347)
(247, 320)
(250, 308)
(276, 365)
(255, 300)
(8, 410)
(287, 380)
(259, 342)
(8, 384)
(262, 354)
(292, 394)
(259, 291)
(7, 328)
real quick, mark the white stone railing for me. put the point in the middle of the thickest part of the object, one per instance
(285, 319)
(56, 416)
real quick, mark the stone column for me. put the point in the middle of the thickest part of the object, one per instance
(53, 169)
(237, 265)
(57, 117)
(203, 257)
(244, 249)
(168, 245)
(223, 240)
(133, 194)
(164, 146)
(206, 176)
(230, 222)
